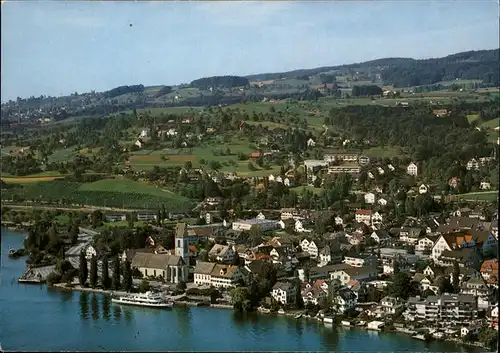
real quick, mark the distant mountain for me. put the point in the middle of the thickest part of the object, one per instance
(402, 72)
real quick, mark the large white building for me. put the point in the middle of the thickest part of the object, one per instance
(261, 224)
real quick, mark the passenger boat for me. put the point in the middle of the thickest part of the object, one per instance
(148, 299)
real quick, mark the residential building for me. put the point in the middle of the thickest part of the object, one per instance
(225, 276)
(202, 273)
(360, 260)
(473, 164)
(347, 274)
(381, 237)
(364, 216)
(369, 198)
(426, 243)
(446, 309)
(345, 300)
(423, 189)
(476, 287)
(489, 271)
(377, 218)
(392, 306)
(310, 247)
(283, 292)
(412, 169)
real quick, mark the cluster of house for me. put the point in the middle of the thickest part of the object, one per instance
(333, 266)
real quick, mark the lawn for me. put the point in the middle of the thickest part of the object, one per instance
(301, 189)
(480, 196)
(62, 155)
(472, 118)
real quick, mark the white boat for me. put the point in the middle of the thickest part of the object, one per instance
(148, 299)
(281, 312)
(298, 316)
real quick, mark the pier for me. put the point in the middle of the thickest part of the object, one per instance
(36, 275)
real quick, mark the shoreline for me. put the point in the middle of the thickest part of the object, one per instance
(288, 314)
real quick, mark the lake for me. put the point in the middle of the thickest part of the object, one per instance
(34, 318)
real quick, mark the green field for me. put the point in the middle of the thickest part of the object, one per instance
(119, 193)
(490, 124)
(301, 189)
(480, 196)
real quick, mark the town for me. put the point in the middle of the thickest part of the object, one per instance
(432, 275)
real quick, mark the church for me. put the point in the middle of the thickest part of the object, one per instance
(171, 268)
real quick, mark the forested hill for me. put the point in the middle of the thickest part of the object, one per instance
(403, 72)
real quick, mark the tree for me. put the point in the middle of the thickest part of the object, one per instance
(144, 286)
(401, 286)
(127, 277)
(115, 283)
(444, 285)
(239, 298)
(456, 277)
(488, 337)
(83, 269)
(236, 259)
(73, 234)
(203, 255)
(93, 272)
(96, 218)
(106, 281)
(181, 285)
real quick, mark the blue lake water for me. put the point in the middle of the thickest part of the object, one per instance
(34, 318)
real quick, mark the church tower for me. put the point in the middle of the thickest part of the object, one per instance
(182, 242)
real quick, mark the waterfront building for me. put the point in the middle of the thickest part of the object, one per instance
(171, 268)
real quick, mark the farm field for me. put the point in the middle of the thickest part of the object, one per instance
(120, 193)
(491, 124)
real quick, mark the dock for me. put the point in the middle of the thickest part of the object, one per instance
(36, 275)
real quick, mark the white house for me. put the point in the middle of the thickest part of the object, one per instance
(289, 213)
(485, 185)
(440, 245)
(370, 175)
(370, 198)
(225, 276)
(423, 189)
(473, 164)
(171, 132)
(278, 179)
(90, 252)
(381, 237)
(392, 306)
(288, 182)
(139, 143)
(391, 167)
(380, 171)
(271, 178)
(283, 292)
(472, 329)
(144, 133)
(345, 300)
(339, 221)
(377, 218)
(382, 201)
(310, 247)
(260, 216)
(311, 143)
(222, 253)
(299, 227)
(202, 273)
(412, 169)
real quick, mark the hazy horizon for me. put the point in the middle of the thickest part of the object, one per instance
(53, 48)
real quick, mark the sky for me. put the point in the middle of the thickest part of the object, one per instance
(60, 47)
